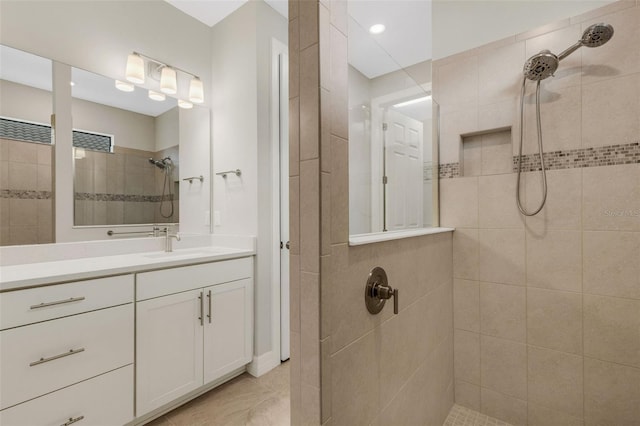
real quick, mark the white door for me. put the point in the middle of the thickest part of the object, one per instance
(168, 349)
(404, 171)
(228, 328)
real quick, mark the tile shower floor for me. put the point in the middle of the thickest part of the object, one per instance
(461, 416)
(264, 401)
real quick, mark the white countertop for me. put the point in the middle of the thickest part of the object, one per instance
(34, 274)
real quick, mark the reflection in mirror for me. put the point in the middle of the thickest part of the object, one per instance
(26, 150)
(391, 116)
(126, 154)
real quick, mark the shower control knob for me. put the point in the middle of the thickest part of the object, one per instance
(378, 291)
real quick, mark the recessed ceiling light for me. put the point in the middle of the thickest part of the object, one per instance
(71, 83)
(412, 101)
(377, 29)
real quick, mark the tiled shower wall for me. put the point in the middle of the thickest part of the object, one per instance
(546, 308)
(26, 199)
(349, 367)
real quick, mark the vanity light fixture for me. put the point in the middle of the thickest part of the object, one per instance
(135, 68)
(165, 73)
(184, 104)
(168, 81)
(156, 96)
(124, 86)
(377, 29)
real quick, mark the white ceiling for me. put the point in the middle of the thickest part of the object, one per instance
(210, 12)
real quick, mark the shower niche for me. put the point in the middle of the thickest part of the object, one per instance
(486, 153)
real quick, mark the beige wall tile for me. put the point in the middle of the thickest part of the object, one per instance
(325, 131)
(555, 260)
(23, 212)
(466, 305)
(4, 212)
(554, 320)
(4, 149)
(560, 116)
(294, 56)
(611, 393)
(497, 153)
(339, 89)
(503, 311)
(23, 176)
(4, 175)
(310, 215)
(619, 56)
(543, 416)
(339, 191)
(310, 329)
(308, 15)
(355, 382)
(465, 253)
(295, 382)
(294, 214)
(619, 121)
(20, 235)
(504, 407)
(453, 124)
(294, 7)
(44, 154)
(609, 194)
(115, 212)
(309, 103)
(471, 156)
(497, 208)
(611, 266)
(499, 73)
(310, 400)
(502, 256)
(339, 15)
(23, 152)
(294, 293)
(467, 395)
(459, 202)
(325, 215)
(458, 83)
(325, 44)
(325, 379)
(555, 380)
(563, 207)
(611, 329)
(499, 115)
(294, 136)
(466, 348)
(503, 366)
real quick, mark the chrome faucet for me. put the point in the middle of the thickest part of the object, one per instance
(168, 236)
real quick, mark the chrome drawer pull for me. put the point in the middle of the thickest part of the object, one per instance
(57, 302)
(72, 421)
(43, 360)
(209, 296)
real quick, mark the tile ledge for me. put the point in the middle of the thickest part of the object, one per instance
(360, 239)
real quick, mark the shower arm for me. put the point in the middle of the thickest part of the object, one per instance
(570, 50)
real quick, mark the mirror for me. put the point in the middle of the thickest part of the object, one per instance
(126, 154)
(391, 117)
(26, 150)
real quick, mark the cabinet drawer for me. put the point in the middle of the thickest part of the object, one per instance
(175, 280)
(104, 400)
(40, 358)
(22, 307)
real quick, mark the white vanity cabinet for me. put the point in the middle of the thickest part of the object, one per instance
(66, 353)
(194, 324)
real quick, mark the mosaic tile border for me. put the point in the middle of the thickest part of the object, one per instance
(611, 155)
(90, 196)
(25, 195)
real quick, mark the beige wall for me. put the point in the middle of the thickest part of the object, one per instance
(546, 308)
(349, 367)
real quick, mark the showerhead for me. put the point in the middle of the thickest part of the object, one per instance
(596, 35)
(540, 66)
(161, 164)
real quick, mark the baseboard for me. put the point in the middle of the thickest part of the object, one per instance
(264, 363)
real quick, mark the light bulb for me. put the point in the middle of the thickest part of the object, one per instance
(124, 86)
(135, 68)
(184, 104)
(168, 81)
(196, 91)
(156, 96)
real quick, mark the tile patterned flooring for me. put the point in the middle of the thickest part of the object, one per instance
(264, 401)
(243, 401)
(461, 416)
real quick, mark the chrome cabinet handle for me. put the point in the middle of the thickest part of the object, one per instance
(57, 302)
(201, 317)
(43, 360)
(72, 421)
(209, 297)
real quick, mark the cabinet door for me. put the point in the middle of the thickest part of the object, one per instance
(168, 349)
(228, 336)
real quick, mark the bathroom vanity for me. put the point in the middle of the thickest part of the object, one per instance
(121, 339)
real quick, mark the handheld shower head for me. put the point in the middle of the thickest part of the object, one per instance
(594, 36)
(540, 66)
(158, 163)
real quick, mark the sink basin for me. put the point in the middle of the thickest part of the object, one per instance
(208, 251)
